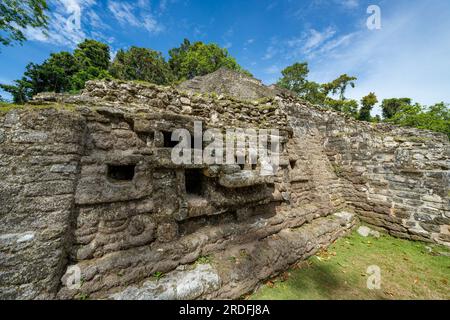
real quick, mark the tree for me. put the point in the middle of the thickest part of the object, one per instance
(141, 64)
(294, 78)
(367, 102)
(19, 91)
(177, 56)
(17, 15)
(391, 106)
(79, 79)
(435, 118)
(339, 85)
(91, 53)
(198, 59)
(62, 72)
(314, 93)
(54, 75)
(377, 119)
(349, 107)
(93, 60)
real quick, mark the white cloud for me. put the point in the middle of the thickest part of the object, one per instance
(125, 14)
(408, 57)
(274, 69)
(95, 21)
(71, 21)
(271, 51)
(143, 3)
(228, 45)
(65, 27)
(336, 43)
(313, 42)
(350, 4)
(163, 5)
(316, 39)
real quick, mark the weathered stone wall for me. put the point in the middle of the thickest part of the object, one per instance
(40, 152)
(394, 178)
(88, 181)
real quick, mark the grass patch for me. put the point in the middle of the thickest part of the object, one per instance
(7, 107)
(82, 296)
(158, 275)
(338, 170)
(204, 260)
(409, 270)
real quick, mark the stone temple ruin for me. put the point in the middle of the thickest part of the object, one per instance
(88, 190)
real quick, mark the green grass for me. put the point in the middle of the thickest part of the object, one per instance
(408, 271)
(158, 275)
(7, 107)
(204, 259)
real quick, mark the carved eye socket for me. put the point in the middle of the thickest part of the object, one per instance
(168, 143)
(292, 164)
(136, 227)
(193, 180)
(121, 172)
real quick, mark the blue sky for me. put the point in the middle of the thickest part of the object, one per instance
(409, 55)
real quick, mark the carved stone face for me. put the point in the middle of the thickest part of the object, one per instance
(136, 226)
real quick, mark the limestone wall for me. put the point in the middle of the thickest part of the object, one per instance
(394, 178)
(39, 166)
(88, 181)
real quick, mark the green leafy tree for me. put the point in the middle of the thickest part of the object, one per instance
(20, 91)
(349, 107)
(377, 119)
(17, 15)
(141, 64)
(93, 60)
(79, 79)
(295, 78)
(62, 72)
(198, 59)
(91, 53)
(53, 75)
(177, 56)
(435, 118)
(391, 106)
(314, 93)
(367, 104)
(339, 85)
